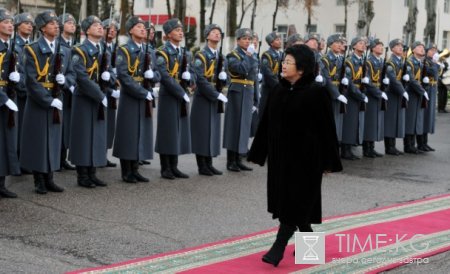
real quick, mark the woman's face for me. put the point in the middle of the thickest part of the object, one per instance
(289, 69)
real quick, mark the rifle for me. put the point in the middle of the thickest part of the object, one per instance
(362, 106)
(10, 91)
(104, 67)
(424, 103)
(184, 84)
(219, 69)
(404, 72)
(148, 84)
(113, 101)
(56, 90)
(383, 75)
(343, 88)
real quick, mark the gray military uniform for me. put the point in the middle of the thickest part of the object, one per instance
(414, 112)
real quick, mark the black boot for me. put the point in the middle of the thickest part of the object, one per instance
(208, 161)
(240, 164)
(83, 177)
(409, 146)
(64, 164)
(91, 174)
(231, 161)
(5, 193)
(174, 167)
(393, 146)
(367, 152)
(127, 175)
(166, 171)
(136, 174)
(276, 252)
(372, 149)
(144, 162)
(39, 183)
(425, 141)
(305, 228)
(110, 164)
(50, 184)
(202, 167)
(420, 143)
(345, 153)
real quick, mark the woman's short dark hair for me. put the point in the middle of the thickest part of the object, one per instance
(305, 60)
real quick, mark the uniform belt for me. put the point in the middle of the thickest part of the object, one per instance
(243, 81)
(336, 83)
(47, 84)
(138, 79)
(3, 83)
(357, 85)
(377, 84)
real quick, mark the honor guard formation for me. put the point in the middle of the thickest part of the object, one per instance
(64, 101)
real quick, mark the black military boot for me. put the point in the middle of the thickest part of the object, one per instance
(239, 163)
(393, 146)
(39, 183)
(367, 151)
(276, 252)
(5, 193)
(83, 177)
(202, 167)
(144, 162)
(345, 152)
(91, 174)
(174, 167)
(50, 184)
(409, 146)
(208, 161)
(425, 142)
(166, 171)
(372, 149)
(110, 164)
(136, 174)
(64, 164)
(420, 143)
(231, 161)
(127, 174)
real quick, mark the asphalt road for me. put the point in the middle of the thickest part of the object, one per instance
(82, 227)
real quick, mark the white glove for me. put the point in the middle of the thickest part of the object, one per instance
(149, 74)
(366, 99)
(386, 81)
(105, 101)
(405, 94)
(222, 98)
(343, 99)
(436, 57)
(223, 76)
(384, 95)
(426, 80)
(259, 77)
(149, 96)
(56, 103)
(186, 98)
(115, 93)
(365, 80)
(114, 71)
(72, 89)
(60, 79)
(406, 77)
(14, 76)
(251, 49)
(186, 76)
(106, 76)
(319, 78)
(254, 109)
(11, 105)
(426, 96)
(344, 81)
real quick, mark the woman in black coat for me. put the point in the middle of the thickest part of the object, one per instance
(298, 137)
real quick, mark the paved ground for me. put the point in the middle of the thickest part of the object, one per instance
(82, 228)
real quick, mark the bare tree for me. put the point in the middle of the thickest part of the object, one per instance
(366, 14)
(124, 8)
(252, 22)
(409, 30)
(202, 20)
(243, 11)
(430, 28)
(308, 6)
(232, 16)
(169, 10)
(277, 4)
(213, 7)
(180, 9)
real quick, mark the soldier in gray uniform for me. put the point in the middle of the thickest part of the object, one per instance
(242, 68)
(353, 124)
(89, 102)
(331, 67)
(432, 72)
(173, 136)
(374, 115)
(134, 131)
(294, 39)
(9, 163)
(42, 121)
(414, 112)
(205, 115)
(394, 116)
(68, 26)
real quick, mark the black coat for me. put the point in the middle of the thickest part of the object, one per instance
(297, 135)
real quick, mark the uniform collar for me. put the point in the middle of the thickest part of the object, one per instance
(44, 46)
(134, 47)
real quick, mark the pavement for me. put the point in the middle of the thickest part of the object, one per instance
(82, 228)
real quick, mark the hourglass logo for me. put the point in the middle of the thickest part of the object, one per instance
(309, 248)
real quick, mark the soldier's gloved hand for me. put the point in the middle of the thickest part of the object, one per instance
(259, 77)
(406, 77)
(426, 80)
(251, 49)
(365, 80)
(105, 102)
(56, 103)
(386, 81)
(149, 74)
(436, 57)
(405, 94)
(426, 96)
(186, 76)
(114, 71)
(343, 99)
(366, 99)
(72, 89)
(384, 95)
(14, 77)
(222, 98)
(115, 93)
(149, 96)
(106, 76)
(11, 105)
(223, 76)
(186, 98)
(60, 79)
(254, 109)
(344, 81)
(319, 78)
